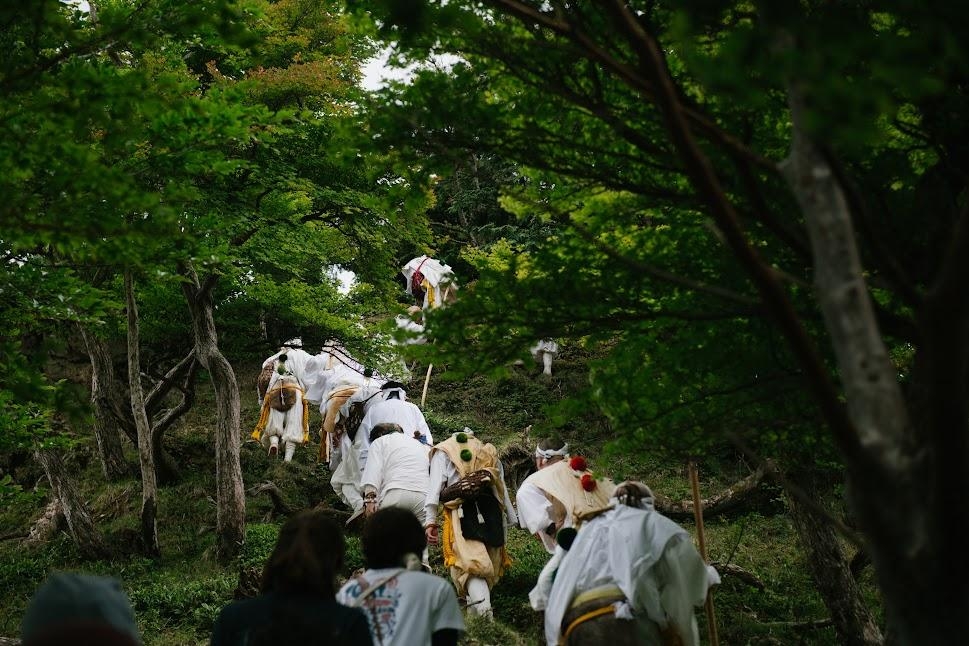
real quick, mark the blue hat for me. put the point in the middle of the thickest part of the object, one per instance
(66, 597)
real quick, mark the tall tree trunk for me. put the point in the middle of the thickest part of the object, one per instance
(832, 575)
(149, 487)
(230, 494)
(892, 487)
(185, 371)
(107, 429)
(79, 522)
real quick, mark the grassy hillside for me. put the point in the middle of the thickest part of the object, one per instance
(178, 596)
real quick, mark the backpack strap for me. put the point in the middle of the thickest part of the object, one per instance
(369, 590)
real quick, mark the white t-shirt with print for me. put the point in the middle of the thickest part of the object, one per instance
(409, 608)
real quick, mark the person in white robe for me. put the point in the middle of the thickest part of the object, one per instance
(394, 409)
(554, 496)
(544, 352)
(344, 464)
(289, 372)
(475, 565)
(397, 470)
(436, 286)
(631, 576)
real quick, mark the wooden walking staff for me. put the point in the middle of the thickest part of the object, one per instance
(430, 366)
(701, 541)
(427, 381)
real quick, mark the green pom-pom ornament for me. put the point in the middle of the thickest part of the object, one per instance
(281, 368)
(461, 437)
(466, 455)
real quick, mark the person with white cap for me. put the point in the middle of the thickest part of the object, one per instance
(631, 576)
(559, 492)
(80, 609)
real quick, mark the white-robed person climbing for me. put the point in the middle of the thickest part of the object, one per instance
(282, 385)
(394, 409)
(559, 493)
(631, 576)
(397, 470)
(472, 537)
(544, 352)
(340, 376)
(430, 281)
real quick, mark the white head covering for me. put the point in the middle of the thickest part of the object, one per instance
(552, 453)
(633, 493)
(295, 342)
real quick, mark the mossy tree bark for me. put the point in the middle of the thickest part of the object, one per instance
(149, 486)
(80, 524)
(230, 495)
(831, 572)
(109, 415)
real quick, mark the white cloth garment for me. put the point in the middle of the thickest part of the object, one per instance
(298, 363)
(444, 473)
(534, 513)
(435, 273)
(345, 465)
(648, 556)
(393, 411)
(414, 330)
(409, 608)
(396, 461)
(369, 393)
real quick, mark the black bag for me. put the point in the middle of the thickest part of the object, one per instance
(354, 417)
(470, 486)
(483, 520)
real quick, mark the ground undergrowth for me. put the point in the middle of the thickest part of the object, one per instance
(178, 596)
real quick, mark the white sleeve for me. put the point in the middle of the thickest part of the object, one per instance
(509, 509)
(373, 470)
(363, 442)
(337, 452)
(438, 478)
(424, 428)
(445, 613)
(533, 508)
(684, 582)
(366, 424)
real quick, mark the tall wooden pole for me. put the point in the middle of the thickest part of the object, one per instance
(701, 541)
(427, 382)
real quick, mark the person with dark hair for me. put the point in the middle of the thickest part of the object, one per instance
(559, 492)
(296, 605)
(404, 605)
(79, 609)
(396, 471)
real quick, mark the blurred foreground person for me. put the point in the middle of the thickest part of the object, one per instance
(297, 605)
(81, 610)
(632, 577)
(405, 605)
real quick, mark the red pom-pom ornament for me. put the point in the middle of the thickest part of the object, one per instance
(578, 463)
(588, 482)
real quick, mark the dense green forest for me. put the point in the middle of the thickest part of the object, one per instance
(747, 223)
